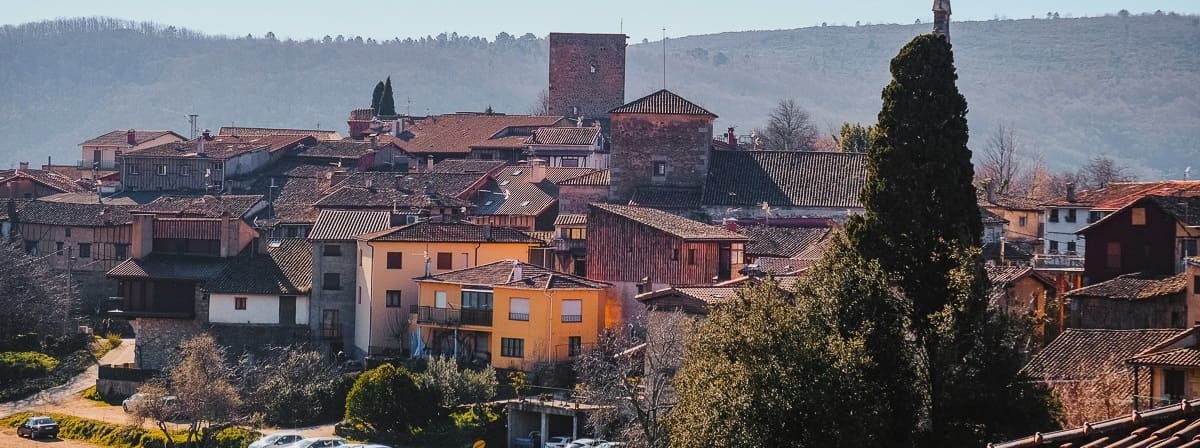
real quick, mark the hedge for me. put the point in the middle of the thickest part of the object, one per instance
(17, 366)
(118, 436)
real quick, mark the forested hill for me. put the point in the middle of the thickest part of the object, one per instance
(1127, 87)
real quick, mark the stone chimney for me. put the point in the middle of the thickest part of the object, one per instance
(517, 273)
(731, 224)
(989, 189)
(731, 138)
(131, 137)
(398, 127)
(941, 18)
(429, 163)
(1070, 191)
(335, 177)
(537, 171)
(24, 166)
(143, 236)
(200, 142)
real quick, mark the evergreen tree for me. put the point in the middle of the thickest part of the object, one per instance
(854, 137)
(377, 96)
(387, 104)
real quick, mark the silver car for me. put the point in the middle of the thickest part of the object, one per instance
(319, 442)
(277, 439)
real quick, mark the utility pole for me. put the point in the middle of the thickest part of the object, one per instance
(664, 44)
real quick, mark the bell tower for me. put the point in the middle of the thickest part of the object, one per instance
(941, 18)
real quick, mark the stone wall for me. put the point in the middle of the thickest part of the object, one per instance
(257, 340)
(639, 141)
(158, 340)
(575, 198)
(587, 74)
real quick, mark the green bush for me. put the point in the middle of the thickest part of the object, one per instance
(391, 401)
(114, 340)
(68, 367)
(119, 436)
(16, 366)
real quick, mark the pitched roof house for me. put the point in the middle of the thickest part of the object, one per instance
(25, 183)
(1133, 301)
(477, 136)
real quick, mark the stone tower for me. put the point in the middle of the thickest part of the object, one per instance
(587, 74)
(659, 140)
(941, 18)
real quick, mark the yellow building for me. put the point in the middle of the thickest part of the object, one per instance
(389, 261)
(512, 314)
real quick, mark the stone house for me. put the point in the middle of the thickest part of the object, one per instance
(25, 183)
(1132, 301)
(261, 299)
(587, 74)
(204, 164)
(659, 140)
(334, 253)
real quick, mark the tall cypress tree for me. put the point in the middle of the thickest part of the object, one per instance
(376, 96)
(387, 104)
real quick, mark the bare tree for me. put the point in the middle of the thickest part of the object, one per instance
(1103, 170)
(541, 106)
(630, 377)
(790, 128)
(203, 394)
(1098, 398)
(34, 298)
(1001, 160)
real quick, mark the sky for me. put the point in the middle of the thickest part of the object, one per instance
(640, 19)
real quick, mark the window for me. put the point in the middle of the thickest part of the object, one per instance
(574, 346)
(31, 247)
(1021, 221)
(1138, 215)
(1070, 247)
(395, 260)
(439, 299)
(576, 233)
(569, 162)
(445, 260)
(1053, 247)
(1196, 285)
(737, 253)
(660, 169)
(332, 250)
(239, 303)
(121, 251)
(332, 281)
(331, 326)
(518, 309)
(131, 169)
(1095, 216)
(675, 254)
(691, 256)
(392, 298)
(58, 248)
(162, 170)
(512, 347)
(1187, 247)
(1054, 215)
(67, 232)
(477, 300)
(1113, 256)
(1070, 215)
(185, 170)
(85, 250)
(572, 311)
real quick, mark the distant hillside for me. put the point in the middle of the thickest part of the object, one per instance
(1125, 87)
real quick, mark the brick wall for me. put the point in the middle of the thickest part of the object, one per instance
(587, 72)
(682, 142)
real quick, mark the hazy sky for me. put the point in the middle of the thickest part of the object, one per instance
(642, 18)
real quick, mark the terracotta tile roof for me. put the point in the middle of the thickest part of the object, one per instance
(513, 195)
(990, 218)
(1012, 251)
(285, 269)
(1135, 286)
(696, 299)
(1174, 425)
(202, 206)
(50, 179)
(662, 102)
(1119, 194)
(504, 273)
(362, 114)
(348, 224)
(121, 138)
(577, 135)
(782, 242)
(779, 266)
(597, 178)
(170, 267)
(1179, 357)
(457, 133)
(460, 166)
(429, 231)
(559, 174)
(667, 197)
(90, 197)
(342, 149)
(570, 219)
(669, 223)
(1185, 209)
(1010, 202)
(545, 236)
(72, 214)
(1005, 275)
(1081, 353)
(505, 142)
(785, 178)
(410, 190)
(221, 147)
(319, 134)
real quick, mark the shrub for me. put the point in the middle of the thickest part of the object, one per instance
(119, 436)
(114, 339)
(459, 386)
(16, 366)
(391, 401)
(68, 367)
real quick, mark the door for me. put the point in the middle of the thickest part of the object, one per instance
(1173, 385)
(726, 263)
(287, 310)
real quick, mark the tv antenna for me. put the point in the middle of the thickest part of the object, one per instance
(192, 120)
(664, 44)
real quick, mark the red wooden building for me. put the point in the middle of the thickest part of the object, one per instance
(1152, 235)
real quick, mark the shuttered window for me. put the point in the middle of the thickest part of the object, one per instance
(572, 311)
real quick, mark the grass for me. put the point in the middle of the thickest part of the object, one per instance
(101, 346)
(118, 436)
(15, 366)
(68, 367)
(91, 394)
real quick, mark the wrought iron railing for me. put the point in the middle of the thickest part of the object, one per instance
(454, 317)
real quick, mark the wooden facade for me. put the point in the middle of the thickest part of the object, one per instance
(182, 173)
(1168, 311)
(1138, 238)
(620, 249)
(105, 246)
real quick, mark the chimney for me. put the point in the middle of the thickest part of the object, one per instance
(200, 142)
(1070, 191)
(143, 236)
(731, 138)
(105, 215)
(335, 177)
(398, 127)
(487, 232)
(369, 184)
(731, 224)
(429, 163)
(989, 189)
(516, 271)
(131, 137)
(24, 166)
(537, 171)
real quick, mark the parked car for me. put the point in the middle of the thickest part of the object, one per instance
(35, 427)
(557, 442)
(611, 445)
(584, 443)
(366, 445)
(319, 442)
(277, 439)
(532, 441)
(130, 403)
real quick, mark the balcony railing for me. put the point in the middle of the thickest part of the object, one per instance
(518, 316)
(1054, 261)
(453, 317)
(572, 318)
(565, 245)
(101, 165)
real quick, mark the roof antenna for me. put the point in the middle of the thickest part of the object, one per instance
(664, 43)
(192, 119)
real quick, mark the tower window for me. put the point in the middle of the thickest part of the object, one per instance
(660, 168)
(592, 68)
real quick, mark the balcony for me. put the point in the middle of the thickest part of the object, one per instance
(571, 318)
(101, 165)
(518, 316)
(453, 317)
(567, 245)
(1056, 261)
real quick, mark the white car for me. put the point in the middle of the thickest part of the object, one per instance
(366, 445)
(277, 439)
(584, 443)
(611, 445)
(319, 442)
(557, 442)
(129, 403)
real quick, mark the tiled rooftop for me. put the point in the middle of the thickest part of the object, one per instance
(577, 135)
(1119, 194)
(782, 242)
(284, 269)
(570, 219)
(1080, 353)
(457, 133)
(219, 147)
(785, 178)
(669, 223)
(169, 267)
(50, 179)
(70, 214)
(597, 178)
(662, 102)
(1175, 425)
(430, 231)
(121, 138)
(319, 134)
(1135, 286)
(667, 197)
(505, 273)
(341, 149)
(348, 224)
(202, 206)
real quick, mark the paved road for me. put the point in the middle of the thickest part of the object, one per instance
(56, 395)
